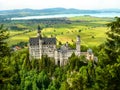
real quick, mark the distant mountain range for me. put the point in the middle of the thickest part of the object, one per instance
(52, 11)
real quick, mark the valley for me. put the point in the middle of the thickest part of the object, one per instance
(91, 29)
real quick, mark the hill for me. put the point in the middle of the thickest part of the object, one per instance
(51, 11)
(91, 29)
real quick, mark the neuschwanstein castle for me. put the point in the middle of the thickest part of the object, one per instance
(39, 46)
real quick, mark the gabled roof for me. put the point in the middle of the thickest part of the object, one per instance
(49, 40)
(45, 41)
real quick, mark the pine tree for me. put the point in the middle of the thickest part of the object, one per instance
(112, 47)
(108, 74)
(4, 50)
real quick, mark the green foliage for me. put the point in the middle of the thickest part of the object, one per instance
(4, 50)
(17, 72)
(75, 62)
(65, 29)
(107, 74)
(113, 41)
(64, 86)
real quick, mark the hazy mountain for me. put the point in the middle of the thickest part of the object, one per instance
(52, 11)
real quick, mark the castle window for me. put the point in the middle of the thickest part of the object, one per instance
(58, 62)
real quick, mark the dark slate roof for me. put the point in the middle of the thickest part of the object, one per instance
(63, 49)
(34, 41)
(49, 40)
(45, 41)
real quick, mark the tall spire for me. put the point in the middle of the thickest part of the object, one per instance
(39, 31)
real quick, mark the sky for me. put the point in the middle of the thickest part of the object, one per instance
(41, 4)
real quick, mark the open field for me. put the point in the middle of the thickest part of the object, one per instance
(91, 29)
(92, 36)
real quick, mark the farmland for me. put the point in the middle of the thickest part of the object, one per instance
(91, 29)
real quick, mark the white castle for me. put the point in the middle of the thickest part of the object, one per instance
(39, 46)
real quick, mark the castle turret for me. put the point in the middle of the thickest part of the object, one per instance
(66, 44)
(40, 48)
(40, 40)
(61, 59)
(78, 45)
(56, 57)
(90, 55)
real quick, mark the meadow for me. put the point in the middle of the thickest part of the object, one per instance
(91, 30)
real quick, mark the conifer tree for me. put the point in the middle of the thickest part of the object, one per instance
(4, 50)
(107, 76)
(112, 47)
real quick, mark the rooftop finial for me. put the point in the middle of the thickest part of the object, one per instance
(39, 28)
(39, 31)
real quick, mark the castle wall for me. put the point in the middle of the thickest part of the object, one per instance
(70, 52)
(62, 57)
(49, 50)
(34, 51)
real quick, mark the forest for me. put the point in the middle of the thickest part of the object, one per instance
(17, 72)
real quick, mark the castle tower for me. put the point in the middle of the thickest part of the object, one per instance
(56, 57)
(40, 48)
(40, 40)
(78, 45)
(61, 59)
(39, 31)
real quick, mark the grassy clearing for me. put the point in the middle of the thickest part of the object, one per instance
(90, 18)
(92, 32)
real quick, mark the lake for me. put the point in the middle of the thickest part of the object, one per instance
(66, 15)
